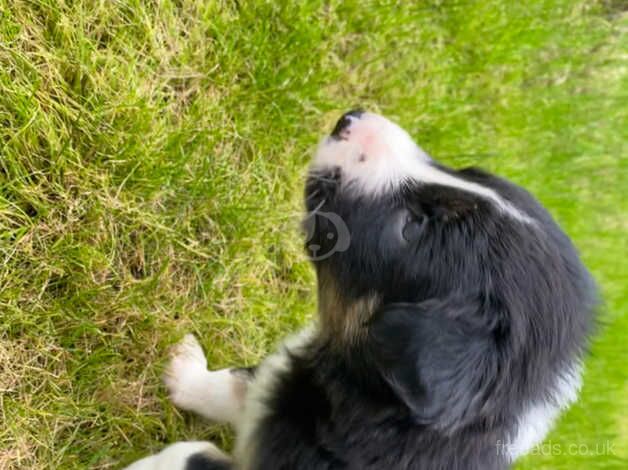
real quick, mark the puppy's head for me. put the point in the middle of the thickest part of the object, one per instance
(457, 287)
(415, 230)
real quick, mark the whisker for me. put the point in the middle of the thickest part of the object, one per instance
(313, 194)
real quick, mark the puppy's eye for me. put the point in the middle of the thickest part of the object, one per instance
(413, 227)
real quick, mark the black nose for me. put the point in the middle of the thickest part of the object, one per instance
(344, 122)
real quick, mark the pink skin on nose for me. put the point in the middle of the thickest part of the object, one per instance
(372, 152)
(366, 132)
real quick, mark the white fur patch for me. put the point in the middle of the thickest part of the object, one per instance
(536, 422)
(376, 155)
(261, 389)
(175, 456)
(211, 394)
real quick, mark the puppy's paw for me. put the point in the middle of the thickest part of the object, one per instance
(186, 370)
(192, 454)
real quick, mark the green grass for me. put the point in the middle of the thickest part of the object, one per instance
(151, 172)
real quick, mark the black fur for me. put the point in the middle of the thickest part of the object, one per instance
(344, 122)
(479, 313)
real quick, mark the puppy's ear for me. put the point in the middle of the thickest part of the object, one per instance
(439, 357)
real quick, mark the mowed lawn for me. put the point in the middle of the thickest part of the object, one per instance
(151, 169)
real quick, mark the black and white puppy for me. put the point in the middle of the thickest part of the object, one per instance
(453, 317)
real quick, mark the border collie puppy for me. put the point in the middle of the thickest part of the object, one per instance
(453, 317)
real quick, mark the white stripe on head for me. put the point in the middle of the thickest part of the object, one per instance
(375, 155)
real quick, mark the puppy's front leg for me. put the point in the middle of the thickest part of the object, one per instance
(185, 456)
(216, 395)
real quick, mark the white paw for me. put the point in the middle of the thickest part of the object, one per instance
(178, 456)
(185, 372)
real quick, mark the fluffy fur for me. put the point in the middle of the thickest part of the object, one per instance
(451, 327)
